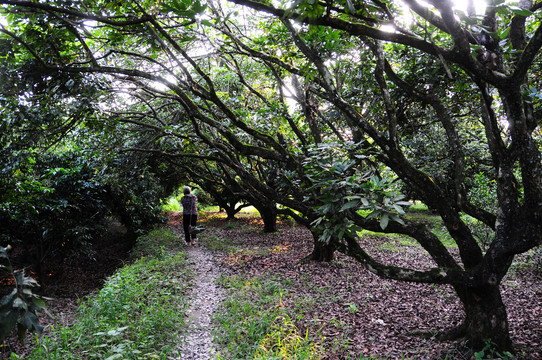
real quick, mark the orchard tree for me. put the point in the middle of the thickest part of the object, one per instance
(492, 57)
(370, 81)
(58, 181)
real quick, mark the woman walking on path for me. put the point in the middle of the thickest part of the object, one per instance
(190, 214)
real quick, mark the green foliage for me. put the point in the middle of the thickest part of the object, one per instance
(427, 103)
(21, 307)
(254, 324)
(483, 192)
(156, 244)
(483, 233)
(55, 203)
(134, 316)
(341, 182)
(135, 194)
(434, 222)
(59, 177)
(489, 352)
(172, 204)
(534, 260)
(285, 342)
(184, 8)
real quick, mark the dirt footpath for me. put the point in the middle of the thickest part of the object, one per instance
(204, 298)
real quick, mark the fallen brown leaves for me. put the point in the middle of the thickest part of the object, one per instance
(361, 314)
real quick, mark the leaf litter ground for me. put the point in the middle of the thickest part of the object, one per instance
(361, 314)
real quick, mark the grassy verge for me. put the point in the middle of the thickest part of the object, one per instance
(254, 323)
(137, 313)
(259, 319)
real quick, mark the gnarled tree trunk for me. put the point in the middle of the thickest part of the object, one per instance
(269, 217)
(321, 251)
(486, 318)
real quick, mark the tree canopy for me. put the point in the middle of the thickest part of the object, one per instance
(334, 113)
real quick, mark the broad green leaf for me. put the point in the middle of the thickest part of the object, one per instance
(39, 303)
(31, 322)
(8, 319)
(396, 219)
(399, 209)
(18, 303)
(384, 221)
(504, 34)
(350, 205)
(7, 299)
(520, 11)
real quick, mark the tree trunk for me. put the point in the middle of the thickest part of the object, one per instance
(269, 217)
(486, 319)
(321, 251)
(230, 212)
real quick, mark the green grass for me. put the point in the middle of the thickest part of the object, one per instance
(156, 243)
(403, 239)
(209, 208)
(253, 323)
(216, 243)
(420, 213)
(172, 204)
(418, 206)
(248, 212)
(136, 315)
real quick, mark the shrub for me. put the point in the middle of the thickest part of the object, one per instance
(21, 307)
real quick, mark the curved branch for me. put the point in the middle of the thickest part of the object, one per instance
(171, 155)
(381, 63)
(433, 276)
(527, 57)
(429, 241)
(460, 55)
(426, 14)
(103, 19)
(76, 33)
(24, 43)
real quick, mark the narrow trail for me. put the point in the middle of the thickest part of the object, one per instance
(205, 297)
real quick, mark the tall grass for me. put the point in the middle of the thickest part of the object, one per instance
(254, 323)
(136, 315)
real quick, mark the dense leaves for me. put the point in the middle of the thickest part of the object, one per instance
(59, 199)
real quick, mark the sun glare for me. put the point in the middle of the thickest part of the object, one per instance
(479, 6)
